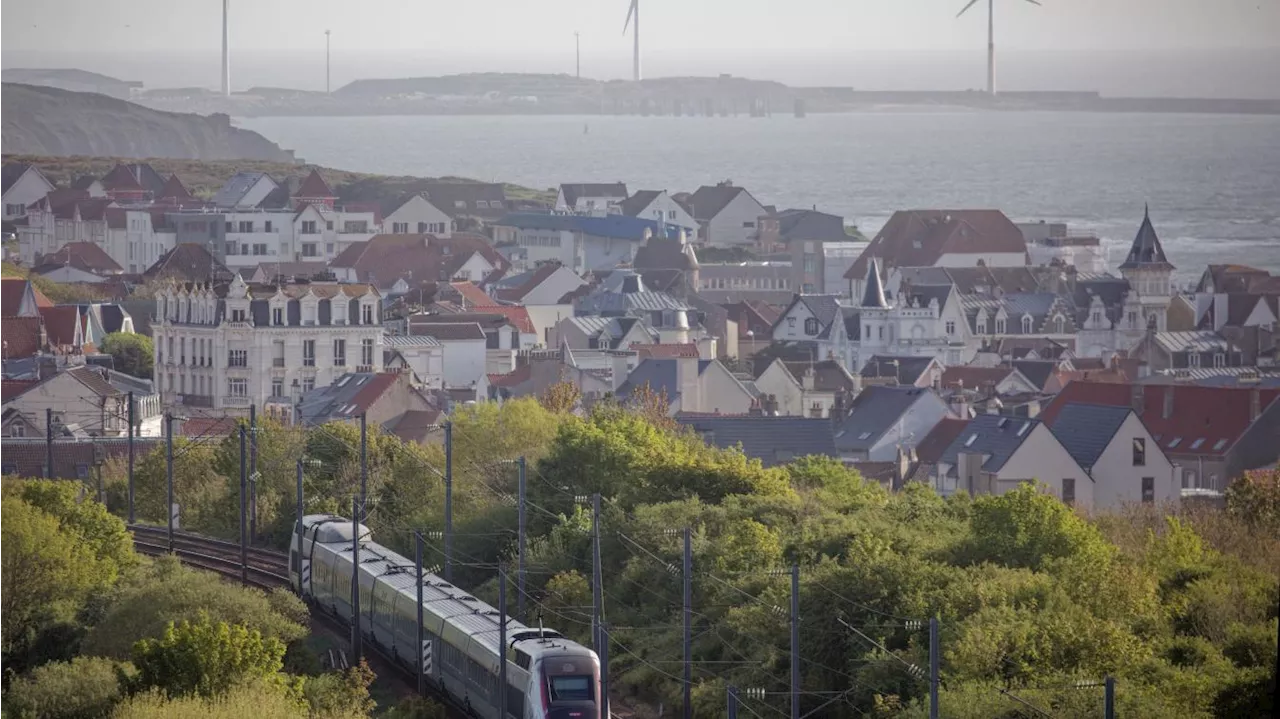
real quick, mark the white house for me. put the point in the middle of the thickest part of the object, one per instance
(580, 242)
(546, 284)
(727, 215)
(462, 351)
(1114, 446)
(23, 185)
(805, 389)
(657, 205)
(81, 397)
(233, 345)
(820, 321)
(925, 321)
(416, 214)
(601, 333)
(422, 354)
(596, 198)
(689, 384)
(996, 453)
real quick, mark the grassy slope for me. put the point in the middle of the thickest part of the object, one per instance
(204, 177)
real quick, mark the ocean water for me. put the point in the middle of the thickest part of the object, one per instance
(1212, 181)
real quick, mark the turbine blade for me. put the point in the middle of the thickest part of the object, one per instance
(966, 7)
(1035, 2)
(631, 10)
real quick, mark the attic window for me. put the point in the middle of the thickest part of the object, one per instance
(864, 435)
(1004, 421)
(1198, 443)
(972, 438)
(1023, 429)
(1176, 441)
(1220, 445)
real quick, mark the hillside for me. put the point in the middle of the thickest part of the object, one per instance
(49, 121)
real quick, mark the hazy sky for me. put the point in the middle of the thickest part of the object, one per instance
(519, 35)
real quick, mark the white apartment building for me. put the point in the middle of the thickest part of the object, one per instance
(133, 237)
(227, 347)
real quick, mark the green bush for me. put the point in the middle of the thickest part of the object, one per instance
(83, 688)
(254, 701)
(206, 658)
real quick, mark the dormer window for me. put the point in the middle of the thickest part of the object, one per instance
(1026, 324)
(237, 316)
(366, 314)
(811, 326)
(1059, 324)
(277, 316)
(982, 324)
(1000, 325)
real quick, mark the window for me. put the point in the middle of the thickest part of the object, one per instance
(1069, 492)
(339, 353)
(951, 327)
(237, 315)
(671, 214)
(237, 358)
(748, 225)
(228, 226)
(366, 353)
(1000, 325)
(277, 353)
(1193, 359)
(1219, 359)
(267, 226)
(982, 324)
(238, 387)
(1148, 490)
(277, 316)
(308, 353)
(277, 387)
(572, 688)
(308, 384)
(260, 248)
(11, 210)
(246, 225)
(1139, 452)
(366, 314)
(308, 227)
(422, 228)
(1059, 325)
(1133, 319)
(328, 225)
(811, 326)
(1096, 318)
(1026, 324)
(1152, 322)
(810, 264)
(244, 248)
(308, 249)
(791, 322)
(16, 429)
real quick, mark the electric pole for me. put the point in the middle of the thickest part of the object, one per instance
(520, 546)
(298, 529)
(244, 526)
(422, 645)
(253, 473)
(795, 641)
(935, 656)
(688, 623)
(355, 581)
(502, 640)
(448, 502)
(168, 471)
(132, 518)
(364, 464)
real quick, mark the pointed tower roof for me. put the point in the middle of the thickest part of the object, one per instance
(314, 187)
(873, 295)
(1146, 251)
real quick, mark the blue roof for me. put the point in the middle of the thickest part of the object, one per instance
(617, 226)
(659, 374)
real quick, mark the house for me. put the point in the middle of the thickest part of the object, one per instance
(505, 328)
(1211, 434)
(920, 321)
(66, 330)
(73, 458)
(600, 333)
(246, 189)
(383, 260)
(380, 397)
(23, 185)
(421, 355)
(580, 242)
(780, 231)
(945, 238)
(905, 371)
(1043, 373)
(546, 284)
(80, 398)
(415, 214)
(807, 389)
(990, 381)
(1053, 243)
(315, 191)
(1234, 278)
(754, 322)
(994, 454)
(60, 217)
(419, 426)
(462, 347)
(726, 215)
(772, 440)
(659, 206)
(764, 281)
(77, 262)
(590, 197)
(227, 346)
(288, 272)
(187, 262)
(929, 451)
(885, 420)
(132, 183)
(20, 298)
(1125, 462)
(467, 199)
(672, 351)
(595, 373)
(23, 337)
(1187, 350)
(689, 385)
(175, 193)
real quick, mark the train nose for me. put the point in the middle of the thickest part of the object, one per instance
(582, 711)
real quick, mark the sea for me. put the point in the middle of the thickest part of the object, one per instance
(1212, 182)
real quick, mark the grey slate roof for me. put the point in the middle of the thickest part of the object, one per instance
(908, 369)
(659, 375)
(450, 331)
(11, 172)
(230, 194)
(799, 224)
(574, 190)
(997, 436)
(873, 295)
(772, 440)
(1038, 371)
(1146, 250)
(709, 200)
(639, 200)
(1086, 430)
(874, 412)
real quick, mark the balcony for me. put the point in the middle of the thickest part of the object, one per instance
(364, 368)
(230, 401)
(277, 362)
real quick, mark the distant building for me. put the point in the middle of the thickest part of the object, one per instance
(658, 205)
(727, 215)
(594, 198)
(24, 184)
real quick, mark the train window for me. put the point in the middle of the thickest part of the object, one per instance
(570, 688)
(523, 660)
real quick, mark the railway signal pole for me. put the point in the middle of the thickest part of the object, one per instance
(355, 581)
(168, 471)
(448, 502)
(520, 546)
(364, 463)
(131, 514)
(244, 527)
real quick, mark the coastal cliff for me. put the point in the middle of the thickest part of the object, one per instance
(49, 121)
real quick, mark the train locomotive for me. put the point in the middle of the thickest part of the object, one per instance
(548, 676)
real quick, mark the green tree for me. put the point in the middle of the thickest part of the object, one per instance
(1255, 497)
(198, 489)
(83, 688)
(342, 693)
(101, 532)
(206, 658)
(166, 592)
(47, 572)
(134, 354)
(258, 700)
(1026, 528)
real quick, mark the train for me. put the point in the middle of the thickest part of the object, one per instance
(548, 675)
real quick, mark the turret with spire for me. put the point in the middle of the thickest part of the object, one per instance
(1150, 275)
(874, 311)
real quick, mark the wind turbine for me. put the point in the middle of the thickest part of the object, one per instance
(634, 11)
(991, 40)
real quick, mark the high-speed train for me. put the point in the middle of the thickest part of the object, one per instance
(548, 676)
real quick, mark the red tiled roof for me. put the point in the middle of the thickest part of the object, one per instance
(315, 188)
(121, 179)
(930, 449)
(918, 238)
(70, 456)
(383, 259)
(208, 427)
(83, 256)
(513, 378)
(373, 389)
(974, 377)
(12, 290)
(472, 294)
(1196, 412)
(665, 351)
(21, 337)
(518, 316)
(60, 324)
(174, 190)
